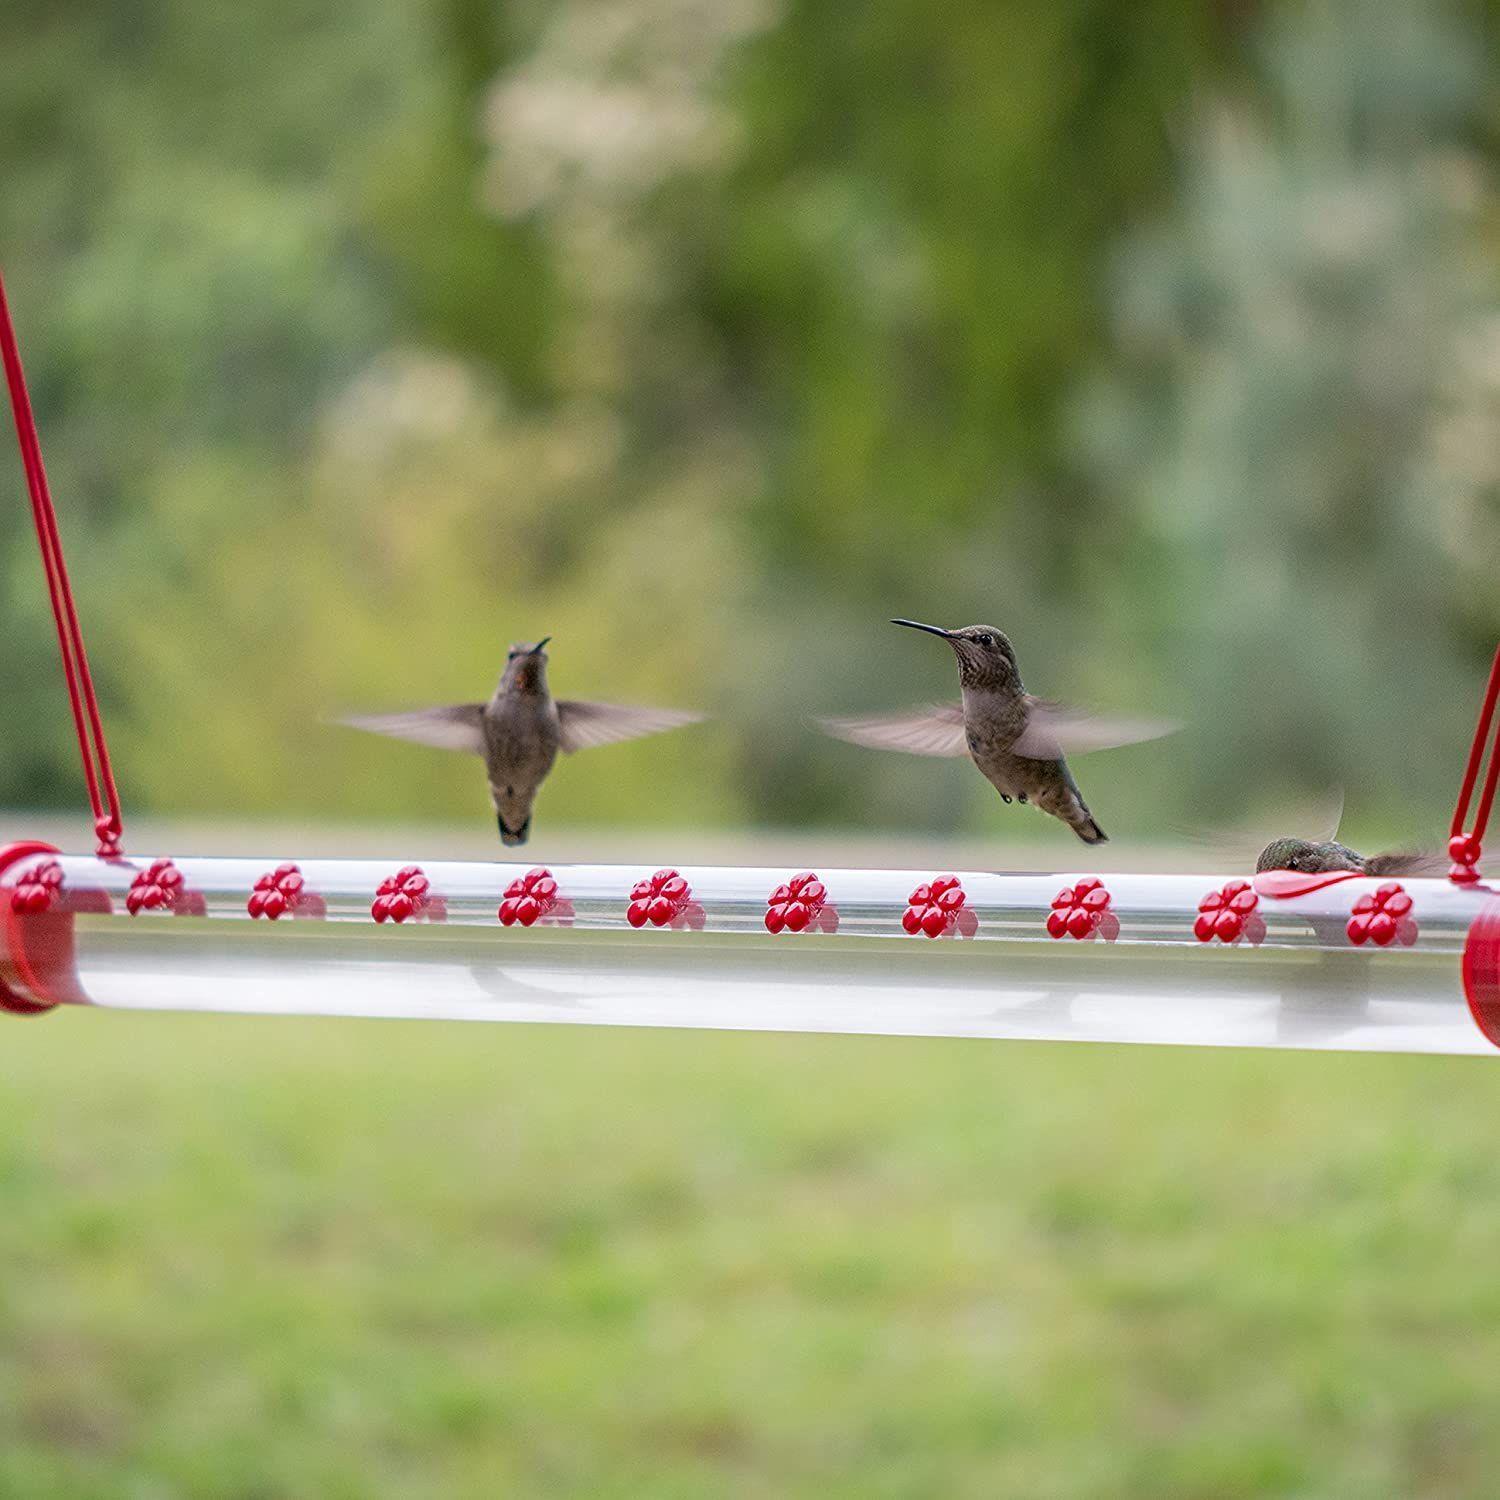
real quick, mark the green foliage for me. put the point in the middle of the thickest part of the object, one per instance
(187, 292)
(1284, 442)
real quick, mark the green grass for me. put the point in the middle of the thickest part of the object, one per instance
(245, 1258)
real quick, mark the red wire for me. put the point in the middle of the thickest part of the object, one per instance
(1476, 755)
(108, 824)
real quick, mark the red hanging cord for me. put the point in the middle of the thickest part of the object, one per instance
(92, 749)
(1466, 848)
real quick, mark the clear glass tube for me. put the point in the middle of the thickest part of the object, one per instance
(1140, 973)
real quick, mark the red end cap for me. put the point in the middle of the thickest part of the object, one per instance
(1481, 970)
(37, 969)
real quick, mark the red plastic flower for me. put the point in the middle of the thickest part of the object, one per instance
(533, 897)
(1383, 917)
(284, 893)
(38, 890)
(406, 894)
(801, 903)
(161, 887)
(936, 909)
(1082, 911)
(1230, 914)
(665, 900)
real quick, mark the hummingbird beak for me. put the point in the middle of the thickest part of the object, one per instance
(930, 629)
(536, 648)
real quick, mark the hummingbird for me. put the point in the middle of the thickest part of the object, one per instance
(1017, 741)
(1323, 853)
(520, 730)
(1314, 857)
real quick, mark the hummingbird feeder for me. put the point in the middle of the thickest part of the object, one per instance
(1335, 961)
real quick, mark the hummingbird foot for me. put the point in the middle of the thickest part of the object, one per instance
(510, 837)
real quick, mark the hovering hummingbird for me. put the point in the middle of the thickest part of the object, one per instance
(1016, 740)
(520, 730)
(1311, 857)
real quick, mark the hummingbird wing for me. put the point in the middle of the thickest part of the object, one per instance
(938, 730)
(585, 725)
(1327, 815)
(1316, 820)
(453, 726)
(1054, 730)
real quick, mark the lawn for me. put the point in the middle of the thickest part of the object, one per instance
(247, 1258)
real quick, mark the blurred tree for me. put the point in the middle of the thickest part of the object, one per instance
(186, 291)
(1289, 439)
(859, 251)
(705, 334)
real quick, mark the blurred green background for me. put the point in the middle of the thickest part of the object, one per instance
(706, 334)
(368, 336)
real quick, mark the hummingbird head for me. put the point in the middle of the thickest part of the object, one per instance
(986, 658)
(526, 667)
(1282, 854)
(1306, 857)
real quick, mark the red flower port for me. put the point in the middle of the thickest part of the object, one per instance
(1230, 914)
(39, 890)
(534, 897)
(1082, 911)
(284, 893)
(937, 909)
(161, 887)
(406, 894)
(665, 900)
(800, 904)
(1383, 917)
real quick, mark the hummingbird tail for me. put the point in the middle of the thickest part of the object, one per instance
(1090, 832)
(1406, 862)
(510, 837)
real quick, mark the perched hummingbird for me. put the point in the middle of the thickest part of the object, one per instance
(520, 730)
(1312, 857)
(1016, 740)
